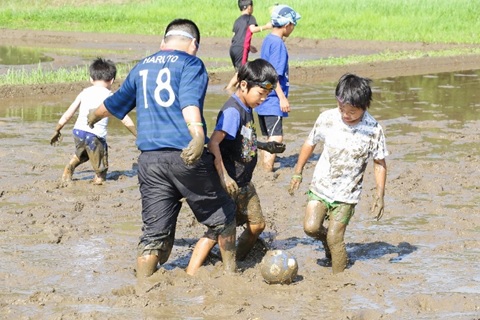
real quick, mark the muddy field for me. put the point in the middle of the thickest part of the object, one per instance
(68, 249)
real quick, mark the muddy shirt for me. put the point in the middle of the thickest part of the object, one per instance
(338, 175)
(239, 148)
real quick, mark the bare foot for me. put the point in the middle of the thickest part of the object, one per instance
(67, 173)
(98, 181)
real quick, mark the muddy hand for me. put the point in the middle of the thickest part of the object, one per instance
(193, 151)
(378, 207)
(92, 118)
(294, 183)
(56, 138)
(231, 186)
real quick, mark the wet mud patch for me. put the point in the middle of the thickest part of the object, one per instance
(68, 249)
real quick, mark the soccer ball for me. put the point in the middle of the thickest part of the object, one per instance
(278, 266)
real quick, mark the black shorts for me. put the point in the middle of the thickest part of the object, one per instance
(236, 54)
(165, 180)
(271, 125)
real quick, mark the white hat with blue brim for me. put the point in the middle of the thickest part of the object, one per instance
(283, 15)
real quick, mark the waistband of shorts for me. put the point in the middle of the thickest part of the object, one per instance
(162, 150)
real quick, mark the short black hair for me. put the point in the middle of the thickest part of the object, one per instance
(257, 71)
(243, 4)
(185, 25)
(354, 90)
(102, 69)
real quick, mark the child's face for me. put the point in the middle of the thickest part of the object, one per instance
(254, 97)
(288, 29)
(350, 115)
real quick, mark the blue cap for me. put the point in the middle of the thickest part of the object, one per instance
(283, 15)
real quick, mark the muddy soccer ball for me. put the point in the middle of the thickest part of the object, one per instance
(278, 266)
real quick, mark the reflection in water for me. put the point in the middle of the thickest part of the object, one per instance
(424, 109)
(19, 56)
(425, 118)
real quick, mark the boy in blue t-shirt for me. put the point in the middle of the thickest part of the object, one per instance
(276, 106)
(234, 145)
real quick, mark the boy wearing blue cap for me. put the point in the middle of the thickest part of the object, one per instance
(276, 106)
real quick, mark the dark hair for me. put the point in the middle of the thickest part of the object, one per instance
(257, 71)
(243, 4)
(184, 25)
(102, 69)
(354, 90)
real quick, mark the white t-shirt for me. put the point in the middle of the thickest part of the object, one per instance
(338, 175)
(91, 98)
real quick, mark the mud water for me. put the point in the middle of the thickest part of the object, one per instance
(68, 250)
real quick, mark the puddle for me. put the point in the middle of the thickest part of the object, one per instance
(14, 56)
(431, 122)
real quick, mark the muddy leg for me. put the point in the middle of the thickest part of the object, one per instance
(146, 265)
(70, 168)
(199, 254)
(313, 223)
(336, 232)
(226, 242)
(247, 239)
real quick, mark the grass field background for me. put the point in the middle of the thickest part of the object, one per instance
(442, 21)
(429, 21)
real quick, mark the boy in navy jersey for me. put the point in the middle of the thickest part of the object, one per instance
(168, 90)
(234, 145)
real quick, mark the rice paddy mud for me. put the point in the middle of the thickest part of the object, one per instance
(68, 250)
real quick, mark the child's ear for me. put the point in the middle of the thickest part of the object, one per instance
(193, 47)
(243, 85)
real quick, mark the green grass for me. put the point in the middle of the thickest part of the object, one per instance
(442, 21)
(40, 75)
(63, 75)
(430, 21)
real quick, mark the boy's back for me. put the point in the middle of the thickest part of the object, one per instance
(241, 31)
(91, 98)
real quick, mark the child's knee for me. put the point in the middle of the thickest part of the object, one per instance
(311, 230)
(258, 228)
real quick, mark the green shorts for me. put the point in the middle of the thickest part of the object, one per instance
(340, 211)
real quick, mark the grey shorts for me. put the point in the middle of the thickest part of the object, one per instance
(271, 125)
